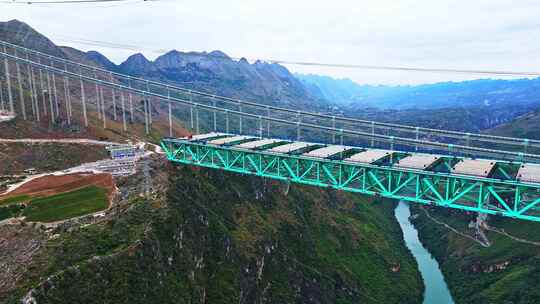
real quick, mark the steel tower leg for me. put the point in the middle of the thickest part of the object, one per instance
(123, 111)
(268, 121)
(148, 100)
(191, 117)
(31, 87)
(170, 111)
(227, 121)
(50, 96)
(2, 104)
(68, 99)
(42, 88)
(417, 136)
(333, 132)
(103, 115)
(98, 102)
(148, 104)
(21, 92)
(83, 98)
(130, 101)
(131, 107)
(146, 115)
(260, 127)
(170, 119)
(197, 130)
(113, 98)
(240, 120)
(215, 112)
(372, 134)
(55, 96)
(8, 83)
(299, 121)
(36, 95)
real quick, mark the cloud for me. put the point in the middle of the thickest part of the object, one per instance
(481, 34)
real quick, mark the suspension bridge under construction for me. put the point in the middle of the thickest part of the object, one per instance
(472, 172)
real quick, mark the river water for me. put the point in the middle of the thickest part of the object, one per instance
(436, 289)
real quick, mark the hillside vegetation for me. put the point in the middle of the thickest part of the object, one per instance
(217, 237)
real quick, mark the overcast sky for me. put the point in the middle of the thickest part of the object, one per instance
(473, 34)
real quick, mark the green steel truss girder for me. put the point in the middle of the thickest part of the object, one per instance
(475, 194)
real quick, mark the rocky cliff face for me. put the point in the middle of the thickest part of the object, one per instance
(217, 73)
(216, 237)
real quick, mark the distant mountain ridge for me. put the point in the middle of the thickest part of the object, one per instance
(474, 93)
(213, 72)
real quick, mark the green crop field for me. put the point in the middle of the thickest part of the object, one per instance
(67, 205)
(14, 200)
(9, 211)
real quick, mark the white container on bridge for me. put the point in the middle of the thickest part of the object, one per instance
(295, 146)
(229, 140)
(207, 136)
(258, 143)
(476, 167)
(369, 156)
(327, 151)
(417, 161)
(529, 173)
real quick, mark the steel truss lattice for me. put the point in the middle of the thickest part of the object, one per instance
(485, 195)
